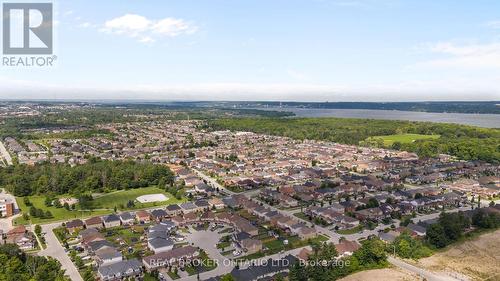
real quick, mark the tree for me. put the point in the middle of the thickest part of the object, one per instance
(38, 230)
(27, 201)
(436, 236)
(88, 275)
(227, 277)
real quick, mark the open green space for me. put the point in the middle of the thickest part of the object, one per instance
(101, 205)
(401, 138)
(119, 199)
(58, 214)
(275, 246)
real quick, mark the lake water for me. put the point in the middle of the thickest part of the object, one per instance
(480, 120)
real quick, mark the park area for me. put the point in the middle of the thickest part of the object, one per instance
(401, 138)
(101, 204)
(121, 198)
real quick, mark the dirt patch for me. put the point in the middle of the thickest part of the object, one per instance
(148, 198)
(393, 274)
(478, 259)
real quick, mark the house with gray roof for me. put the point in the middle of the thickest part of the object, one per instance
(107, 255)
(126, 218)
(111, 221)
(121, 270)
(160, 244)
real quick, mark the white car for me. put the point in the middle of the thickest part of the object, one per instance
(236, 253)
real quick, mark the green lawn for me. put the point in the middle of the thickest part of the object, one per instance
(103, 205)
(120, 198)
(57, 213)
(402, 138)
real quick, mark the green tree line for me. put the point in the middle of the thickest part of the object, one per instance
(94, 176)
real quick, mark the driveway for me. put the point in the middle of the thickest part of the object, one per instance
(56, 250)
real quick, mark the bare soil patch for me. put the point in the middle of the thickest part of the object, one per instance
(478, 259)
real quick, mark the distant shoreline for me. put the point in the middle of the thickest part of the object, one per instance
(479, 120)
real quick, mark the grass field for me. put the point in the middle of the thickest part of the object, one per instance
(120, 198)
(57, 213)
(102, 205)
(402, 138)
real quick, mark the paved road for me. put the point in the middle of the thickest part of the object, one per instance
(55, 250)
(212, 182)
(430, 276)
(5, 154)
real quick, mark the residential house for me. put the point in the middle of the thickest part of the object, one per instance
(170, 258)
(143, 216)
(189, 207)
(94, 222)
(251, 245)
(216, 203)
(126, 218)
(121, 270)
(74, 225)
(159, 214)
(346, 247)
(111, 221)
(107, 255)
(173, 210)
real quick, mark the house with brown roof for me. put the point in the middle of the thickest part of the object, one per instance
(304, 254)
(216, 203)
(143, 216)
(251, 245)
(94, 222)
(346, 247)
(306, 232)
(170, 258)
(74, 225)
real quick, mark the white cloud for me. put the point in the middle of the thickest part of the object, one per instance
(147, 30)
(297, 75)
(495, 24)
(469, 57)
(460, 89)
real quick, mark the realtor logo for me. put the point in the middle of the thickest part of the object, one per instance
(27, 29)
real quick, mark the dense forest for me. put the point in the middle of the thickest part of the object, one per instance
(18, 266)
(94, 176)
(464, 142)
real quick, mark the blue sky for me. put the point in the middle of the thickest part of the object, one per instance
(311, 50)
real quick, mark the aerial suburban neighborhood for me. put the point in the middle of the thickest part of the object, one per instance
(229, 203)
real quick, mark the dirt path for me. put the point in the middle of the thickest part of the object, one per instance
(393, 274)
